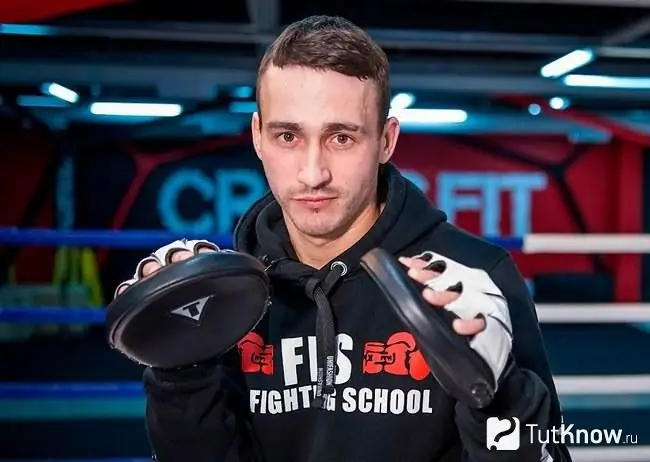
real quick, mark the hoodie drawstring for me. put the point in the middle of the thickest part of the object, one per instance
(317, 290)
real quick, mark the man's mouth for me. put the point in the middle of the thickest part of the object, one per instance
(314, 201)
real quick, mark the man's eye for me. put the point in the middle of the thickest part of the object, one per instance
(342, 139)
(287, 137)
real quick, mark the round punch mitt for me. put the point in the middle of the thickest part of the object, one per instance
(459, 370)
(190, 311)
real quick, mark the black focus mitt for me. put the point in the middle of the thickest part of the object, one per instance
(190, 311)
(469, 368)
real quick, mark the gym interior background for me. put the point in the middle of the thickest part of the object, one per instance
(521, 119)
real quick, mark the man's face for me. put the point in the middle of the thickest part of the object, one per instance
(320, 145)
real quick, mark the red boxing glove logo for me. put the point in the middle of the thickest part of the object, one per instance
(255, 355)
(375, 357)
(398, 356)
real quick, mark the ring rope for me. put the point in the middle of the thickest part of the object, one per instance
(137, 239)
(141, 459)
(134, 239)
(579, 454)
(611, 454)
(117, 239)
(586, 243)
(638, 384)
(146, 239)
(566, 385)
(605, 313)
(582, 313)
(64, 390)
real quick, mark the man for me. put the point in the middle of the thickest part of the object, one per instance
(325, 140)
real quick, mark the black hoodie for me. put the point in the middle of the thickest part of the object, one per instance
(260, 402)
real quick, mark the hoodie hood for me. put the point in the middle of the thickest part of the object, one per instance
(407, 216)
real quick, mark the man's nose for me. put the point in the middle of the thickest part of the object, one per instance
(315, 171)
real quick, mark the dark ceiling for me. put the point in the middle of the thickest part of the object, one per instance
(449, 53)
(560, 18)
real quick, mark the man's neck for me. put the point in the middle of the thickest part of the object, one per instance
(318, 252)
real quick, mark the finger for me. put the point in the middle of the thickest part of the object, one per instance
(181, 255)
(121, 289)
(410, 262)
(469, 326)
(422, 276)
(439, 298)
(149, 268)
(205, 249)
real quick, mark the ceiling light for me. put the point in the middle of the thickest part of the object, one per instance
(534, 109)
(567, 63)
(402, 101)
(604, 81)
(429, 116)
(558, 103)
(61, 92)
(136, 109)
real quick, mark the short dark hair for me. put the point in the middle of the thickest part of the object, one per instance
(335, 44)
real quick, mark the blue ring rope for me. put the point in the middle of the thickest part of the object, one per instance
(140, 239)
(30, 391)
(141, 459)
(64, 390)
(127, 239)
(52, 315)
(126, 459)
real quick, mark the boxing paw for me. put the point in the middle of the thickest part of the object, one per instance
(479, 297)
(163, 257)
(187, 303)
(467, 367)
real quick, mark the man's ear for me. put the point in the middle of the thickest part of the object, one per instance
(389, 139)
(256, 133)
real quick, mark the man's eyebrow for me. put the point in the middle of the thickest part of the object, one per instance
(282, 125)
(331, 127)
(343, 127)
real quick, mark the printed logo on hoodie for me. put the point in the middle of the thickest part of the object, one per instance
(398, 355)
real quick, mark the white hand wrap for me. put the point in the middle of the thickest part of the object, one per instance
(163, 256)
(479, 296)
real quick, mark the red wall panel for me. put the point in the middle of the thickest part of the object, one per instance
(41, 10)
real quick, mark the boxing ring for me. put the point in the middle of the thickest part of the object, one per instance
(20, 399)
